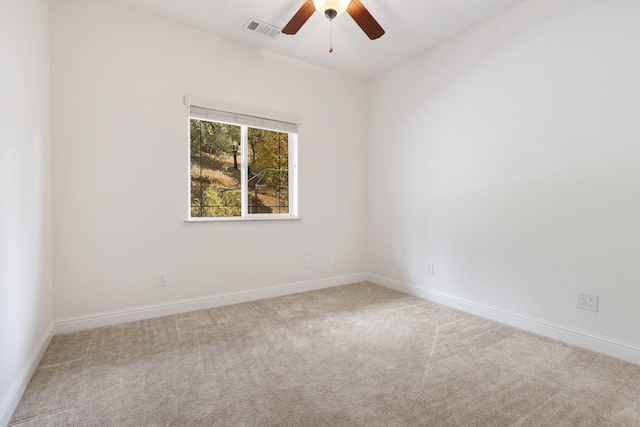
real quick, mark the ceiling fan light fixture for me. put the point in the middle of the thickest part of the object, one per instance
(331, 8)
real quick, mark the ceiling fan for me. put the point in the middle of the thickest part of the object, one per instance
(333, 8)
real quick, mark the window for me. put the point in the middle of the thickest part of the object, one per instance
(242, 162)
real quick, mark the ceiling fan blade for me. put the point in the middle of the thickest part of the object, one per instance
(299, 18)
(363, 18)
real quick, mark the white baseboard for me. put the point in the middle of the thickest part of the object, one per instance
(10, 401)
(600, 344)
(132, 314)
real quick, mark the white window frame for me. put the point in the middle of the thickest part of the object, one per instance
(247, 117)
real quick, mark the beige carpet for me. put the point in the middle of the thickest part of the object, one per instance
(357, 355)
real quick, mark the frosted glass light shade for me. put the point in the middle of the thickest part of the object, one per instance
(340, 6)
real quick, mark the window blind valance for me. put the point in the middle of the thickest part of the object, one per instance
(227, 113)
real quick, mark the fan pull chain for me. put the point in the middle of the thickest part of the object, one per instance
(331, 36)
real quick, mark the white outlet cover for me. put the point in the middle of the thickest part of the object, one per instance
(587, 302)
(163, 279)
(430, 269)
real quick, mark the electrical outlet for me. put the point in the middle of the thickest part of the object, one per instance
(307, 262)
(332, 260)
(587, 302)
(430, 269)
(163, 279)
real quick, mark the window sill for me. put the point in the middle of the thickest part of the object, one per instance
(241, 219)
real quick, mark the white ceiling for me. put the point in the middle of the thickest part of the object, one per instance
(412, 27)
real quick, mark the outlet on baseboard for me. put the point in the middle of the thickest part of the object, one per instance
(587, 302)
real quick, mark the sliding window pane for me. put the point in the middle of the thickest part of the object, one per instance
(268, 177)
(215, 169)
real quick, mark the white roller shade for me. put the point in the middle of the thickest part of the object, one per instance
(214, 111)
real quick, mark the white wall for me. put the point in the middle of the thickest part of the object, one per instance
(509, 158)
(120, 163)
(25, 193)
